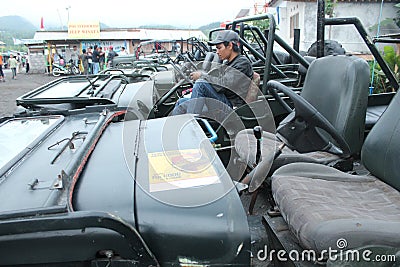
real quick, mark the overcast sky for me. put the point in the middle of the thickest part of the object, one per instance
(124, 13)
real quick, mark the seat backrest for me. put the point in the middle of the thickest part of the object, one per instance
(337, 86)
(197, 54)
(283, 57)
(211, 60)
(302, 69)
(381, 150)
(254, 90)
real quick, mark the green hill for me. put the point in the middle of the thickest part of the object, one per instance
(15, 27)
(207, 28)
(21, 27)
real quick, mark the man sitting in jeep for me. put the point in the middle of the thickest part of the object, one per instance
(221, 88)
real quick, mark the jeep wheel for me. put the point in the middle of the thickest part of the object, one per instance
(57, 71)
(76, 70)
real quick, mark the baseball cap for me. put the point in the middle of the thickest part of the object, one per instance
(225, 36)
(111, 47)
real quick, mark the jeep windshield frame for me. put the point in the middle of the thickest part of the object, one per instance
(82, 90)
(20, 135)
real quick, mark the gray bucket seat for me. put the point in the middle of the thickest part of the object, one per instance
(336, 91)
(322, 205)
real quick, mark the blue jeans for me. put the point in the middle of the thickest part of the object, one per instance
(14, 72)
(204, 97)
(96, 67)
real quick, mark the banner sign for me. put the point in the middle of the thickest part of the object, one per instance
(84, 30)
(106, 44)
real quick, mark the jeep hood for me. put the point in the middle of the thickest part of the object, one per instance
(154, 189)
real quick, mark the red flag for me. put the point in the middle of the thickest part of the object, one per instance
(41, 24)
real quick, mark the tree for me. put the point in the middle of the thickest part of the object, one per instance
(330, 7)
(397, 19)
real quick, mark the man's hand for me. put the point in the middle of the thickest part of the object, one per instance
(195, 75)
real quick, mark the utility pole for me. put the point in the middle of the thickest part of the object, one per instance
(59, 16)
(68, 8)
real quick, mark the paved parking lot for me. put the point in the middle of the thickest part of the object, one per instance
(12, 89)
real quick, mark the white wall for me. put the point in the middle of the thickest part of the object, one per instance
(368, 15)
(367, 12)
(307, 22)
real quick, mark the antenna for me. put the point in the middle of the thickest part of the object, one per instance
(68, 8)
(59, 16)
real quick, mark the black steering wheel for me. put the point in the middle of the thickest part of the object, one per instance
(304, 110)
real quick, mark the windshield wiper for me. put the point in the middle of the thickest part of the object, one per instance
(70, 144)
(93, 86)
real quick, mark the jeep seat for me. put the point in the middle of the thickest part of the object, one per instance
(337, 86)
(321, 204)
(253, 91)
(211, 60)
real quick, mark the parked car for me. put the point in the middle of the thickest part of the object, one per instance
(124, 91)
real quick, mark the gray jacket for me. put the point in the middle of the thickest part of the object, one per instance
(232, 78)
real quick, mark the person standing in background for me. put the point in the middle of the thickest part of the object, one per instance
(19, 63)
(13, 64)
(102, 58)
(50, 61)
(84, 61)
(110, 56)
(90, 59)
(96, 59)
(1, 69)
(123, 51)
(75, 55)
(23, 60)
(177, 48)
(56, 58)
(27, 61)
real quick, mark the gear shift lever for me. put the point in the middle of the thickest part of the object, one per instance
(257, 131)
